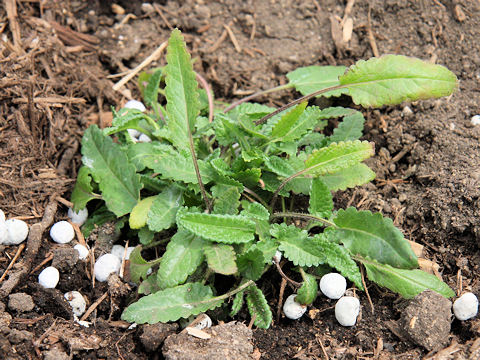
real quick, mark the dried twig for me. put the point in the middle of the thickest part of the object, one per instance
(366, 291)
(93, 306)
(233, 38)
(152, 57)
(19, 251)
(11, 8)
(371, 37)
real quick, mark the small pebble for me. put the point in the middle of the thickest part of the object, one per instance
(292, 309)
(79, 217)
(277, 257)
(49, 277)
(17, 231)
(3, 233)
(134, 133)
(119, 251)
(135, 104)
(76, 301)
(144, 138)
(106, 265)
(62, 232)
(2, 216)
(475, 120)
(147, 8)
(466, 306)
(333, 285)
(82, 251)
(347, 310)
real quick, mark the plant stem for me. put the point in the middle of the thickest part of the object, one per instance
(228, 294)
(256, 196)
(205, 85)
(298, 101)
(283, 275)
(304, 216)
(197, 171)
(260, 93)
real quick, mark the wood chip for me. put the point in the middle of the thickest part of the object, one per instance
(198, 333)
(347, 30)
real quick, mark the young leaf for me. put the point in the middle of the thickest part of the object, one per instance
(351, 128)
(338, 156)
(321, 202)
(163, 210)
(308, 291)
(130, 119)
(139, 266)
(391, 79)
(267, 246)
(226, 199)
(220, 258)
(229, 229)
(279, 166)
(355, 175)
(172, 304)
(183, 255)
(138, 216)
(313, 78)
(284, 126)
(110, 168)
(373, 236)
(251, 264)
(83, 191)
(145, 236)
(337, 257)
(237, 303)
(151, 91)
(258, 307)
(296, 246)
(181, 91)
(255, 211)
(408, 283)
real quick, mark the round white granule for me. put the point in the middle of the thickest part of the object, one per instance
(79, 217)
(76, 301)
(118, 251)
(292, 309)
(134, 133)
(346, 310)
(135, 104)
(144, 138)
(106, 265)
(277, 257)
(17, 231)
(475, 120)
(82, 251)
(466, 306)
(49, 277)
(333, 285)
(62, 232)
(3, 233)
(2, 216)
(206, 322)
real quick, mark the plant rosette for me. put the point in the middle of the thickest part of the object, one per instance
(210, 187)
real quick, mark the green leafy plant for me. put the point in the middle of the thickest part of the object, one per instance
(207, 194)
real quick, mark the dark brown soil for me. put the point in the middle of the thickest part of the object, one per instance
(53, 82)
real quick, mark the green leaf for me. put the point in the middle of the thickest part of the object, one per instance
(130, 119)
(220, 258)
(145, 236)
(172, 304)
(308, 291)
(255, 211)
(297, 246)
(183, 255)
(181, 91)
(226, 199)
(313, 78)
(139, 266)
(163, 210)
(338, 156)
(151, 91)
(138, 216)
(279, 166)
(83, 191)
(258, 307)
(408, 283)
(337, 257)
(355, 175)
(372, 235)
(351, 128)
(110, 168)
(392, 79)
(229, 229)
(251, 264)
(321, 202)
(285, 125)
(267, 246)
(237, 303)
